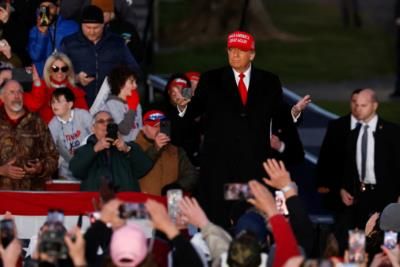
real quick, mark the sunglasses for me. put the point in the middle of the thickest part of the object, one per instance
(103, 121)
(63, 69)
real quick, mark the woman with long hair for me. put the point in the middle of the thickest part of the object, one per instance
(58, 72)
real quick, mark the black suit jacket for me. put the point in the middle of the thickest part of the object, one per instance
(330, 167)
(236, 137)
(386, 162)
(331, 161)
(284, 127)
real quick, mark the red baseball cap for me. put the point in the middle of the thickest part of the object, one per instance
(193, 75)
(152, 117)
(178, 82)
(242, 40)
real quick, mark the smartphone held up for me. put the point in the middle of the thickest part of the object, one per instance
(237, 191)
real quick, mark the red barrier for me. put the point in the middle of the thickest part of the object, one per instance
(73, 203)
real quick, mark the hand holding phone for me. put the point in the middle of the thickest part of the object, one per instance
(187, 92)
(44, 16)
(165, 127)
(174, 196)
(280, 201)
(132, 210)
(112, 131)
(390, 240)
(7, 232)
(357, 246)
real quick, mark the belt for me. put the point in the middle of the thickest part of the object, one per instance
(367, 187)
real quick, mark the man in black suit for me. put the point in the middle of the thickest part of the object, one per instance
(330, 166)
(237, 103)
(371, 167)
(372, 162)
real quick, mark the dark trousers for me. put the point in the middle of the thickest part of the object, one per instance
(355, 216)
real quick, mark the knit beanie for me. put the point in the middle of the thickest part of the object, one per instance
(92, 14)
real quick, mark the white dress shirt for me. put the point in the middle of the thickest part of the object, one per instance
(246, 78)
(370, 166)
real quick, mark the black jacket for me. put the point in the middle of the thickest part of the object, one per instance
(236, 137)
(386, 163)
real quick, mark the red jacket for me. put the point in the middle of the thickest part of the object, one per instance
(286, 244)
(38, 100)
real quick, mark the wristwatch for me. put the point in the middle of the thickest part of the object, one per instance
(291, 185)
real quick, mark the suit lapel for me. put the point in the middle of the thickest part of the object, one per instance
(378, 137)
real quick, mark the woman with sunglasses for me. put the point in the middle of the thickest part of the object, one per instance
(58, 72)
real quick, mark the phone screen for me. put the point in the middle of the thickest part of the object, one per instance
(280, 201)
(237, 191)
(174, 196)
(356, 246)
(133, 210)
(6, 231)
(165, 127)
(54, 216)
(390, 240)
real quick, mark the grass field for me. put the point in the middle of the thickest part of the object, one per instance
(329, 52)
(388, 110)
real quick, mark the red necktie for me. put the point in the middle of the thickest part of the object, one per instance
(242, 89)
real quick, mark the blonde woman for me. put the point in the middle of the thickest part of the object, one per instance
(58, 72)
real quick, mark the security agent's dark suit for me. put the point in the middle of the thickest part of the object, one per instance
(387, 172)
(387, 188)
(330, 167)
(236, 137)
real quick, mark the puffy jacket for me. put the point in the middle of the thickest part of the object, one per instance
(123, 169)
(41, 45)
(97, 59)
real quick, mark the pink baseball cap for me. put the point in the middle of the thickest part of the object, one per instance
(128, 246)
(242, 40)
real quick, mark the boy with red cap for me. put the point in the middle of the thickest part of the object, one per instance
(172, 167)
(237, 103)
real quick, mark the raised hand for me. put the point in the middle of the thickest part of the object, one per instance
(160, 218)
(301, 105)
(192, 212)
(279, 177)
(161, 140)
(263, 199)
(76, 246)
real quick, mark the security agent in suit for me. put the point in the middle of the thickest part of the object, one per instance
(330, 166)
(372, 164)
(236, 123)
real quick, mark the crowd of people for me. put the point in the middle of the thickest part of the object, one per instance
(81, 119)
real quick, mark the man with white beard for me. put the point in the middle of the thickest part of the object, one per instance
(28, 156)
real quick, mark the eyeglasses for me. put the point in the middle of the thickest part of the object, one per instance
(63, 68)
(103, 121)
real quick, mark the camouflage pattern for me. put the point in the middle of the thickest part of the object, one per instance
(29, 139)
